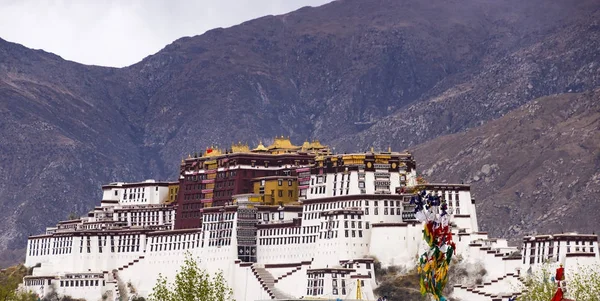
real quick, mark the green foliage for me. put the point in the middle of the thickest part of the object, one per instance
(9, 281)
(192, 284)
(539, 287)
(581, 286)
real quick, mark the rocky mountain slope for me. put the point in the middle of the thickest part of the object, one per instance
(535, 170)
(548, 60)
(351, 73)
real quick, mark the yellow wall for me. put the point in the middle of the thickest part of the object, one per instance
(173, 191)
(275, 194)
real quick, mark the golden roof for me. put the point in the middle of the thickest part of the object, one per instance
(316, 144)
(212, 152)
(260, 148)
(240, 148)
(282, 143)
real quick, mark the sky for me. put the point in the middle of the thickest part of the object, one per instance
(119, 33)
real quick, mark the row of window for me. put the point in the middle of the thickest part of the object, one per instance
(142, 218)
(537, 253)
(122, 244)
(204, 176)
(76, 283)
(176, 246)
(174, 238)
(288, 240)
(39, 247)
(348, 204)
(36, 282)
(219, 242)
(218, 226)
(288, 231)
(334, 224)
(194, 196)
(214, 217)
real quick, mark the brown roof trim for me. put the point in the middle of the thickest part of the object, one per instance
(359, 260)
(342, 211)
(40, 277)
(275, 208)
(512, 258)
(73, 221)
(330, 270)
(462, 215)
(358, 197)
(140, 184)
(581, 254)
(109, 201)
(109, 232)
(442, 186)
(282, 265)
(286, 224)
(274, 178)
(389, 225)
(125, 208)
(177, 231)
(40, 236)
(246, 264)
(561, 237)
(360, 277)
(251, 155)
(232, 208)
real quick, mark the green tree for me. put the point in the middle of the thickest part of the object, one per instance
(9, 282)
(192, 284)
(581, 286)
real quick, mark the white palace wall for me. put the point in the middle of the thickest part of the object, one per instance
(310, 250)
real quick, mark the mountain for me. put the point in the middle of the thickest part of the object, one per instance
(64, 132)
(546, 60)
(352, 73)
(534, 170)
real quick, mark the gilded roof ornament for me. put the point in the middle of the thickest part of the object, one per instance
(260, 148)
(282, 143)
(240, 148)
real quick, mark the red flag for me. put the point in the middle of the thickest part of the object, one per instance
(558, 296)
(560, 274)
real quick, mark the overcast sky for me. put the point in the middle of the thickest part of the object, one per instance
(122, 32)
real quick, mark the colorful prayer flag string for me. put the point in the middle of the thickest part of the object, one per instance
(432, 211)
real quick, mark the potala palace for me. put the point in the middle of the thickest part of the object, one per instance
(282, 222)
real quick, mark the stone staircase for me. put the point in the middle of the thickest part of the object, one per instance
(267, 281)
(131, 263)
(112, 286)
(481, 292)
(296, 269)
(113, 281)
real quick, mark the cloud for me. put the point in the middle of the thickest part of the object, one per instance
(120, 33)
